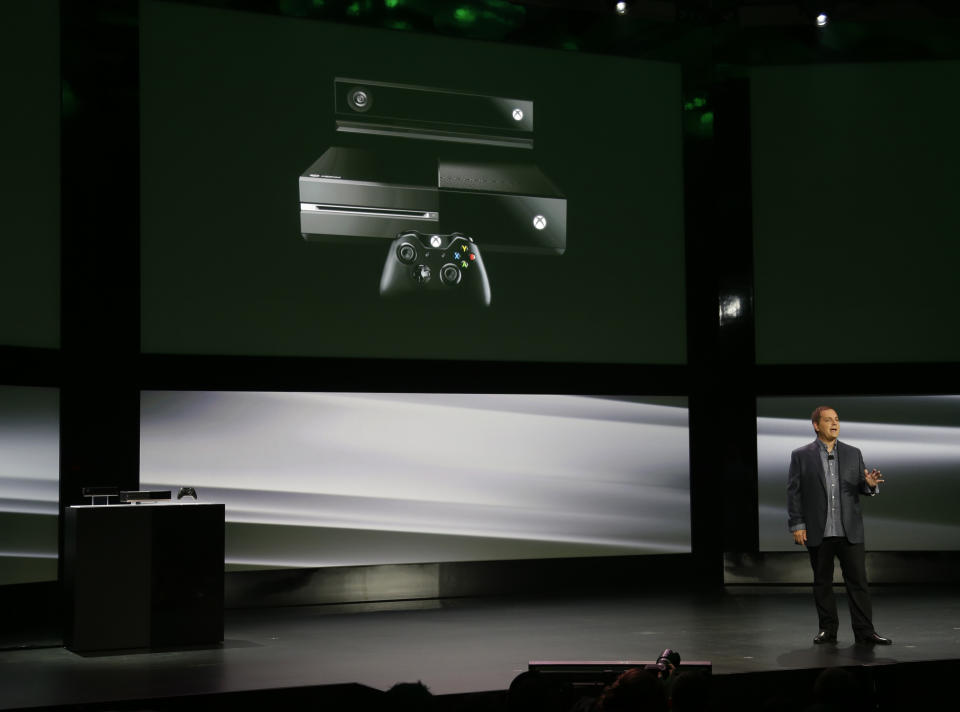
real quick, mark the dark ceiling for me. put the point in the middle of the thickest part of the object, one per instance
(692, 32)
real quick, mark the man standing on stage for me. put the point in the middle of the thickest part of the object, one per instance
(824, 486)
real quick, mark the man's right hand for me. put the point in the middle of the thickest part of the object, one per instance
(800, 536)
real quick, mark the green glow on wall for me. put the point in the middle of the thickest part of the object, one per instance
(391, 4)
(353, 9)
(466, 15)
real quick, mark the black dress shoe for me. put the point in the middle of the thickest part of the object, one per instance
(874, 639)
(825, 637)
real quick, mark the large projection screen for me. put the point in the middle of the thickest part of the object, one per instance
(236, 106)
(339, 479)
(29, 483)
(913, 440)
(856, 172)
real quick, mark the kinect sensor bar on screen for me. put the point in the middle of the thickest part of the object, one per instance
(411, 111)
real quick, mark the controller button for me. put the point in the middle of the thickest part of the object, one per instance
(436, 241)
(422, 274)
(406, 253)
(449, 274)
(472, 257)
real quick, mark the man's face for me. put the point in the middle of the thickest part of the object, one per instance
(828, 427)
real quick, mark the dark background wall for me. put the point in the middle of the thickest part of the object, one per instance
(30, 179)
(739, 345)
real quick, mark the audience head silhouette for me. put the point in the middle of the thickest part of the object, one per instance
(635, 690)
(409, 697)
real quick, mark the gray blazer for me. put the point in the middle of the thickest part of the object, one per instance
(807, 491)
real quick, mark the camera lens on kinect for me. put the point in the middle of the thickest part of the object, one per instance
(359, 99)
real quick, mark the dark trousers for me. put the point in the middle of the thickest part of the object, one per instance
(853, 565)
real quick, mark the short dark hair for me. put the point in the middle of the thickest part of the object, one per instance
(818, 411)
(635, 689)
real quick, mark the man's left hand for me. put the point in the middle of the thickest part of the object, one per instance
(873, 477)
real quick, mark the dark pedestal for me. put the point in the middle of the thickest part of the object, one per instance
(143, 576)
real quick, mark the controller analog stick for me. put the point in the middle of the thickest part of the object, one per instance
(406, 253)
(449, 274)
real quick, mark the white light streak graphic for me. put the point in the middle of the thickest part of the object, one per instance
(456, 476)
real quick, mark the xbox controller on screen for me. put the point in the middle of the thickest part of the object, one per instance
(424, 266)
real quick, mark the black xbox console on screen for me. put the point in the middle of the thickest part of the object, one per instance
(508, 206)
(423, 266)
(396, 184)
(356, 193)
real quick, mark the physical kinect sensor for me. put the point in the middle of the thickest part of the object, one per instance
(435, 114)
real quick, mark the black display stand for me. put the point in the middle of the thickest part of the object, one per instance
(143, 576)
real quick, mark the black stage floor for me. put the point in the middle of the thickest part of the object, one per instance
(470, 645)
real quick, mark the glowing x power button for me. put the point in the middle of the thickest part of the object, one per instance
(539, 222)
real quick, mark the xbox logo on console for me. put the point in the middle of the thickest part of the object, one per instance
(517, 114)
(539, 222)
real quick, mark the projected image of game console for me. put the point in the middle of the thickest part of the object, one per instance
(357, 193)
(434, 207)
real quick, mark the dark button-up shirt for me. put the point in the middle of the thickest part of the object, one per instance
(831, 477)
